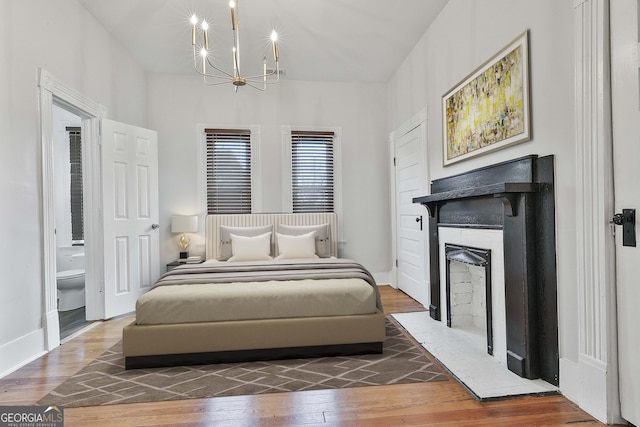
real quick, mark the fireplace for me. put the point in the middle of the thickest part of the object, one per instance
(468, 295)
(514, 199)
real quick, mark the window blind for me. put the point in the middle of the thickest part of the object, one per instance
(75, 160)
(228, 171)
(312, 172)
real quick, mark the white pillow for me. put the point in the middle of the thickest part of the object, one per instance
(323, 247)
(302, 246)
(224, 251)
(251, 248)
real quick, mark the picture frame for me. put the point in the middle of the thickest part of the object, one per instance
(489, 109)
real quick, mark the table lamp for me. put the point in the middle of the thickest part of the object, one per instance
(184, 224)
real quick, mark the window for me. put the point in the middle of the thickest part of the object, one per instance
(75, 160)
(312, 171)
(228, 165)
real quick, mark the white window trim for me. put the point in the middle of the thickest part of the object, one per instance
(256, 166)
(287, 197)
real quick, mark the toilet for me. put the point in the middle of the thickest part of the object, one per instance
(70, 284)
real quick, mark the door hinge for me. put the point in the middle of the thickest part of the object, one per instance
(396, 263)
(394, 161)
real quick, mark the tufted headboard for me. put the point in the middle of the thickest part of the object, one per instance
(213, 223)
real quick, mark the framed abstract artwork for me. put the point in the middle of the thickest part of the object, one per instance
(489, 109)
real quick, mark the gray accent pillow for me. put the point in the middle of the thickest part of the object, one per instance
(224, 252)
(323, 234)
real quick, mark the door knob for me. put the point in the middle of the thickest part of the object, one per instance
(618, 219)
(627, 219)
(155, 226)
(419, 219)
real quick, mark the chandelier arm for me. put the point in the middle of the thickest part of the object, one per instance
(212, 65)
(208, 83)
(255, 87)
(263, 75)
(259, 79)
(227, 78)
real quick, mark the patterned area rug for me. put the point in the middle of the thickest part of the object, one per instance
(106, 382)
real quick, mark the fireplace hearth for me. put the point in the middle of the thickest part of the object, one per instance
(517, 198)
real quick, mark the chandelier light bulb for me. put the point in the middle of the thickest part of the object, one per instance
(205, 36)
(232, 5)
(274, 39)
(194, 21)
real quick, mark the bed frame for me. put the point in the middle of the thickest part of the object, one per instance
(266, 339)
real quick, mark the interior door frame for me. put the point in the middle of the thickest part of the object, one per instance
(592, 375)
(50, 91)
(420, 119)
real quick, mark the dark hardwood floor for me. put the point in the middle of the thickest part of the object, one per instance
(71, 321)
(442, 403)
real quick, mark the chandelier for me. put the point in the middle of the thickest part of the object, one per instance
(213, 74)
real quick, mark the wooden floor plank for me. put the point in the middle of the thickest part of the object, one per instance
(442, 403)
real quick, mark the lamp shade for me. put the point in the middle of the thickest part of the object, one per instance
(184, 224)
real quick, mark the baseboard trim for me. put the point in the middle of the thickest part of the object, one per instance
(570, 380)
(21, 351)
(585, 384)
(51, 325)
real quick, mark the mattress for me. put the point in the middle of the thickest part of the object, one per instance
(213, 302)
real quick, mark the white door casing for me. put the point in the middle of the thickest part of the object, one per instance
(130, 211)
(625, 74)
(588, 360)
(411, 219)
(52, 90)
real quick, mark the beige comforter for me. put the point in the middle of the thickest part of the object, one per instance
(259, 290)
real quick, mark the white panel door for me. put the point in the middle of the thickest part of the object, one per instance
(411, 218)
(625, 71)
(130, 209)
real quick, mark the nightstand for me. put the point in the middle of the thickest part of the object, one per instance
(174, 264)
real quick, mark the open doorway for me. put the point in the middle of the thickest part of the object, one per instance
(69, 220)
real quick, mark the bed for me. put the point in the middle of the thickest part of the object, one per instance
(242, 305)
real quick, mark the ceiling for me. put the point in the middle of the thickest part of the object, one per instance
(320, 40)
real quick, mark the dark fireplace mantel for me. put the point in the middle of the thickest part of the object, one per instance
(517, 197)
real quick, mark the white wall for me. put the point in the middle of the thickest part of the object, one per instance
(178, 104)
(463, 37)
(61, 37)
